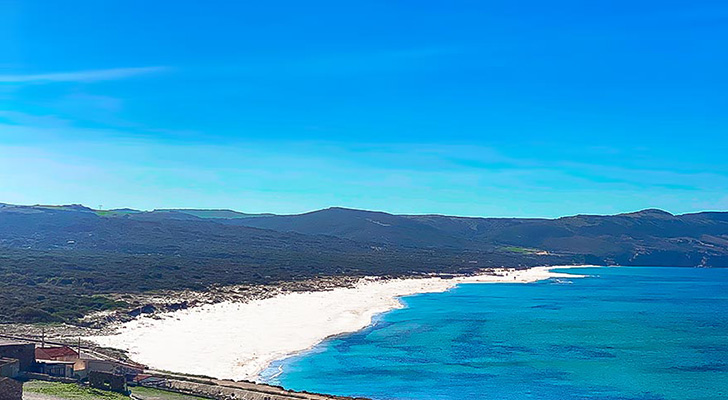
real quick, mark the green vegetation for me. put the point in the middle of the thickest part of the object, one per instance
(58, 264)
(70, 391)
(63, 286)
(54, 307)
(112, 213)
(520, 250)
(43, 294)
(146, 393)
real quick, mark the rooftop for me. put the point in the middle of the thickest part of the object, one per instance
(11, 342)
(53, 352)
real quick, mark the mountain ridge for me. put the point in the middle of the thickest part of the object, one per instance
(58, 263)
(609, 237)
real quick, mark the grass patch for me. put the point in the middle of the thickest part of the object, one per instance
(520, 250)
(70, 391)
(156, 394)
(524, 250)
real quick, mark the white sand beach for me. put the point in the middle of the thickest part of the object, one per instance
(232, 340)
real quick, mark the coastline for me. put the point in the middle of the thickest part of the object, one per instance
(239, 340)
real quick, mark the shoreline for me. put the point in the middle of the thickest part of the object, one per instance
(541, 273)
(240, 340)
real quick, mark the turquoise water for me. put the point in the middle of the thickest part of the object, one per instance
(622, 333)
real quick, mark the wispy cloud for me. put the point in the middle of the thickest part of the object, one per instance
(81, 76)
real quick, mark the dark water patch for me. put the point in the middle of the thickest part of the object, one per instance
(711, 367)
(710, 348)
(548, 307)
(582, 352)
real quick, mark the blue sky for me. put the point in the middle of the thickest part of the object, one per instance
(487, 108)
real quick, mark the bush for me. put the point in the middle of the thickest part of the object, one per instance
(30, 314)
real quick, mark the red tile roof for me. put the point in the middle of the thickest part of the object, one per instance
(50, 353)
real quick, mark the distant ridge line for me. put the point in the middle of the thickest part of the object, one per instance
(78, 206)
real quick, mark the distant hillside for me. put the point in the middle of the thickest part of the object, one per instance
(358, 225)
(215, 214)
(649, 237)
(56, 260)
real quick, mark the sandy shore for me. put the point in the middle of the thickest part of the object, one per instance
(232, 340)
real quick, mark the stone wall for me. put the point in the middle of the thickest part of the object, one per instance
(10, 389)
(221, 392)
(244, 391)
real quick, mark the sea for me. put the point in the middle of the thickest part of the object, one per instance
(626, 333)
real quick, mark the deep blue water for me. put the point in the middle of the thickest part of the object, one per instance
(622, 333)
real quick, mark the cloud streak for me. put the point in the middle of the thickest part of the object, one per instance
(81, 76)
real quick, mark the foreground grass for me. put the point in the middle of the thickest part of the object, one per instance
(155, 394)
(70, 391)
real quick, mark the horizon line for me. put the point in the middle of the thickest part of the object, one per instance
(358, 209)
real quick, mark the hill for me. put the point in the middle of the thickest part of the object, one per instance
(648, 237)
(59, 262)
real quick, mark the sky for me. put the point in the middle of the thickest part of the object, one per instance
(521, 108)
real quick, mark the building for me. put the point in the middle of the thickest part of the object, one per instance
(23, 352)
(108, 381)
(9, 367)
(62, 353)
(83, 368)
(10, 388)
(62, 369)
